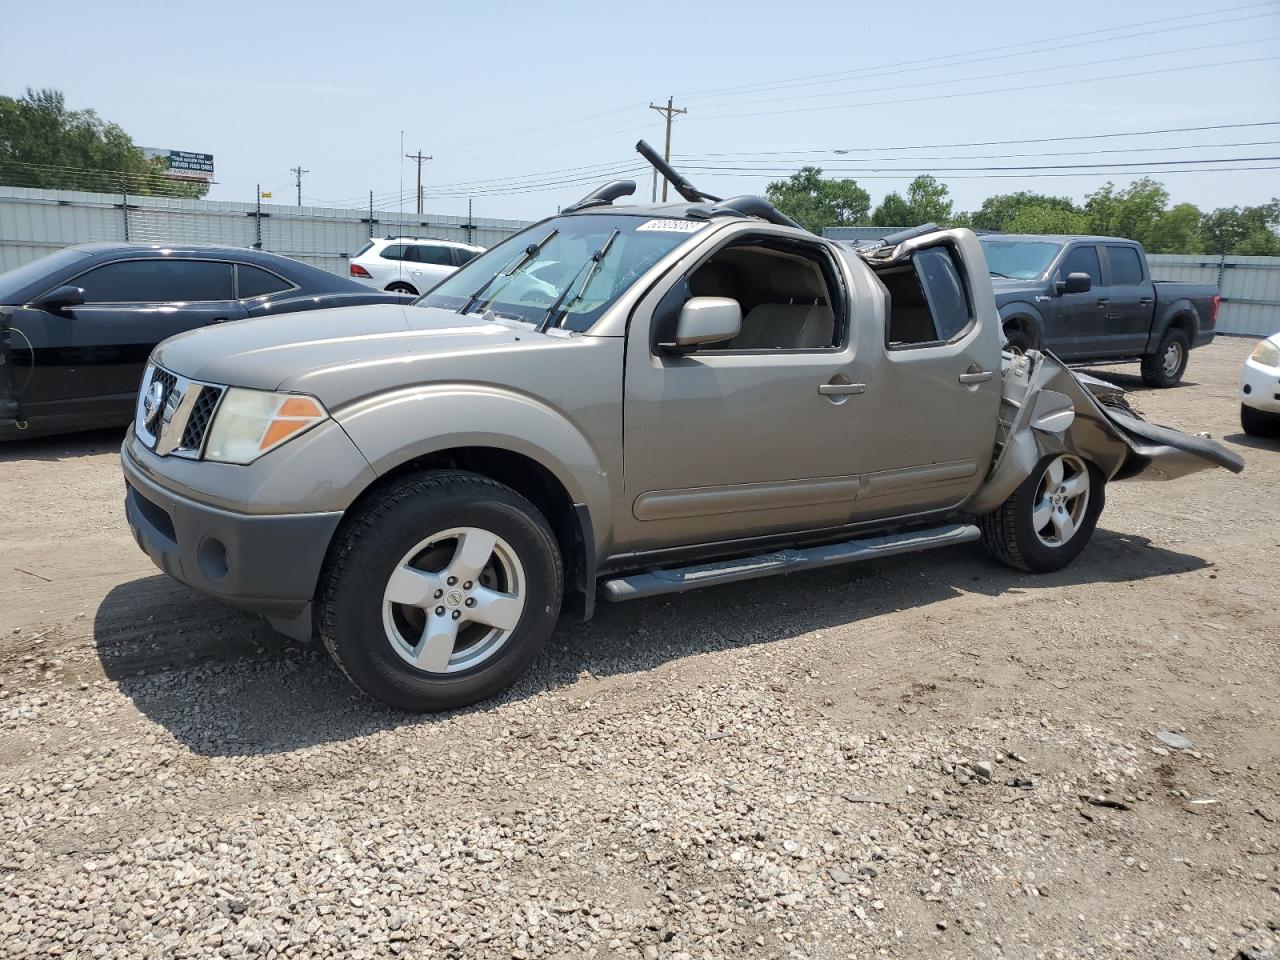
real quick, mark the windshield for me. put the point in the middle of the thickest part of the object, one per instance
(594, 257)
(1019, 259)
(13, 282)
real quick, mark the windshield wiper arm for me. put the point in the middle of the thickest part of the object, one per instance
(997, 273)
(593, 262)
(525, 255)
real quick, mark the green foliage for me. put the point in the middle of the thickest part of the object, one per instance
(1000, 211)
(927, 201)
(43, 144)
(1244, 231)
(1047, 218)
(1141, 212)
(816, 203)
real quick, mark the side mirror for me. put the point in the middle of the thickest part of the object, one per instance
(58, 300)
(1075, 283)
(705, 320)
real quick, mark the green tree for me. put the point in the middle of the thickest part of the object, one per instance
(1141, 212)
(927, 201)
(998, 212)
(1245, 231)
(1046, 218)
(43, 144)
(816, 203)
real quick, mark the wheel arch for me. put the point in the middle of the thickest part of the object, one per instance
(1025, 317)
(1179, 315)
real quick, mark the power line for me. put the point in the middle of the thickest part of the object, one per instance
(1183, 68)
(1046, 166)
(991, 143)
(1003, 49)
(1006, 73)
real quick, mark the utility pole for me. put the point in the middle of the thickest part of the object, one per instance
(297, 173)
(418, 158)
(669, 111)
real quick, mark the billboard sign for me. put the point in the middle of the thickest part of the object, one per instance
(183, 164)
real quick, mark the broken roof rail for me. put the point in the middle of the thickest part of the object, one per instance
(902, 236)
(681, 185)
(603, 196)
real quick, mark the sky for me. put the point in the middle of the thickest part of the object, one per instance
(527, 107)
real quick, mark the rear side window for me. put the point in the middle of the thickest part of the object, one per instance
(464, 254)
(393, 251)
(158, 281)
(256, 282)
(928, 302)
(1126, 268)
(430, 253)
(1082, 260)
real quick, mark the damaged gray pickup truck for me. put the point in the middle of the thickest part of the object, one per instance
(617, 402)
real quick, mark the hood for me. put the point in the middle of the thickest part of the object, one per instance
(270, 352)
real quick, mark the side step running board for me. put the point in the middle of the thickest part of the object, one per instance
(785, 561)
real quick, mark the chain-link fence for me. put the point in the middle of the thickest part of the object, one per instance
(37, 222)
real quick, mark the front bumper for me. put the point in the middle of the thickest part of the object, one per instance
(266, 563)
(1260, 387)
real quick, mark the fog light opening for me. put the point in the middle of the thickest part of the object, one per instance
(212, 556)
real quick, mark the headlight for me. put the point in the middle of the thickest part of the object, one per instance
(1266, 353)
(251, 422)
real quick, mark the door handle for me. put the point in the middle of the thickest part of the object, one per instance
(1103, 301)
(977, 376)
(841, 389)
(1146, 301)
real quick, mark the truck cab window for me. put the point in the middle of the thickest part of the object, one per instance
(1126, 268)
(927, 300)
(1083, 259)
(786, 297)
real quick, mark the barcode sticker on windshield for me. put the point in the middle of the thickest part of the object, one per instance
(671, 226)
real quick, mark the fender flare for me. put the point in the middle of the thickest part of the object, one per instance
(1181, 307)
(1022, 310)
(388, 430)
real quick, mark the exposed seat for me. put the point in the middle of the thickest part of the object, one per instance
(802, 321)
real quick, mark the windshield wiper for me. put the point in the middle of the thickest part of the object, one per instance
(527, 254)
(593, 262)
(1003, 276)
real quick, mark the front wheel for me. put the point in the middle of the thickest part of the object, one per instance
(1165, 367)
(1047, 521)
(1259, 423)
(440, 591)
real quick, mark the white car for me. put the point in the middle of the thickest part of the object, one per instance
(1260, 389)
(409, 264)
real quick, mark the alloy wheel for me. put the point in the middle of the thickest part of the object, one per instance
(1062, 500)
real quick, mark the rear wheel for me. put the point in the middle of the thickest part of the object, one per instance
(401, 288)
(1259, 423)
(1017, 340)
(1164, 368)
(1048, 520)
(440, 591)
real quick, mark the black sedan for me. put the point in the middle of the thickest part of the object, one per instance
(77, 326)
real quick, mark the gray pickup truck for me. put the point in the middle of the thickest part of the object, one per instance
(617, 402)
(1092, 300)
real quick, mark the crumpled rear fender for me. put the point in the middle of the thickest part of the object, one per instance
(1046, 409)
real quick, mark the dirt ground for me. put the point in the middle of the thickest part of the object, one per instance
(885, 759)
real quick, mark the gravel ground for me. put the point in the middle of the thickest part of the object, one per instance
(933, 756)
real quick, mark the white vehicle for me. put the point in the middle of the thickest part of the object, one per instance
(409, 264)
(1260, 389)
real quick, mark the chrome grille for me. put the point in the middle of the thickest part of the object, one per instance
(174, 414)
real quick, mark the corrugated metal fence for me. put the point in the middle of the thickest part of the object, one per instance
(1249, 287)
(36, 222)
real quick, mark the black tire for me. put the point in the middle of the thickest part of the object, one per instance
(1259, 423)
(401, 288)
(371, 543)
(1009, 532)
(1155, 373)
(1017, 340)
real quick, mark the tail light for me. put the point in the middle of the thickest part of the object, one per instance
(359, 271)
(1217, 302)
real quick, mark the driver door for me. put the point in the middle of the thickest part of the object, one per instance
(733, 441)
